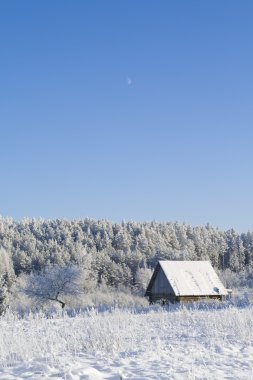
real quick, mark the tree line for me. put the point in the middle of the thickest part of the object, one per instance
(116, 254)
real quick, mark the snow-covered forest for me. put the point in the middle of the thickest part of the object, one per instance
(118, 250)
(34, 244)
(115, 256)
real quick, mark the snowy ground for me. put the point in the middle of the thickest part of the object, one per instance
(155, 344)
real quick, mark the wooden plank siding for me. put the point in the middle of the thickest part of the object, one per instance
(188, 299)
(166, 298)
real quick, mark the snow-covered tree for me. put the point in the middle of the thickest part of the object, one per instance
(7, 278)
(54, 284)
(143, 276)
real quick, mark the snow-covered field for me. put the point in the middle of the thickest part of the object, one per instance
(122, 344)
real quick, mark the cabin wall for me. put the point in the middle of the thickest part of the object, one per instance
(186, 299)
(169, 298)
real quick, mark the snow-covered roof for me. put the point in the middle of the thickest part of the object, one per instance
(195, 278)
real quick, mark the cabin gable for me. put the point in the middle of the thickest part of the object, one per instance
(159, 287)
(161, 283)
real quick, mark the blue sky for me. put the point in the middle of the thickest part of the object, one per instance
(136, 110)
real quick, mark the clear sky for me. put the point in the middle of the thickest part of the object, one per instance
(138, 110)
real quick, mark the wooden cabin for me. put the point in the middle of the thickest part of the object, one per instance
(184, 281)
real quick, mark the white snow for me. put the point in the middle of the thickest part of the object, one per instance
(193, 278)
(154, 344)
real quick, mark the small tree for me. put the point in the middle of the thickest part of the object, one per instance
(143, 276)
(7, 278)
(54, 284)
